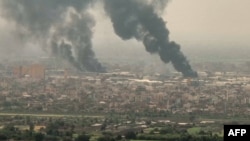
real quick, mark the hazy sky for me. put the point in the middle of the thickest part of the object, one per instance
(192, 23)
(201, 22)
(218, 21)
(222, 25)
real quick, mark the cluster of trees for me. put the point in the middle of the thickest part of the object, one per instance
(107, 136)
(52, 132)
(184, 137)
(60, 130)
(10, 132)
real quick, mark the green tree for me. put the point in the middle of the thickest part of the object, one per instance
(192, 118)
(82, 137)
(166, 130)
(51, 138)
(3, 137)
(118, 137)
(105, 138)
(103, 127)
(39, 137)
(67, 139)
(31, 127)
(130, 135)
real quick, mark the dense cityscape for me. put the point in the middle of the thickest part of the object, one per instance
(124, 70)
(117, 103)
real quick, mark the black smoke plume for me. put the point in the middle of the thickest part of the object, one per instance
(53, 22)
(139, 19)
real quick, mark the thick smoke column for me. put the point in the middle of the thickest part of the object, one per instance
(77, 31)
(139, 19)
(64, 25)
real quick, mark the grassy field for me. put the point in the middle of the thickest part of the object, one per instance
(148, 130)
(194, 130)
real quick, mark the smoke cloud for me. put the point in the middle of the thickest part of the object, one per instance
(65, 26)
(139, 19)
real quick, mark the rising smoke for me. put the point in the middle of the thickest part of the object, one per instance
(139, 19)
(64, 25)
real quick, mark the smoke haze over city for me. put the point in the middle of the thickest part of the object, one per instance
(116, 70)
(52, 32)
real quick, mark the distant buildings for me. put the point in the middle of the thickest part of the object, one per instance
(35, 71)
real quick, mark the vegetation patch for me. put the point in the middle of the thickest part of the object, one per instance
(194, 130)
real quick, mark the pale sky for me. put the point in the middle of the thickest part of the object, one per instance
(204, 24)
(218, 21)
(201, 21)
(192, 24)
